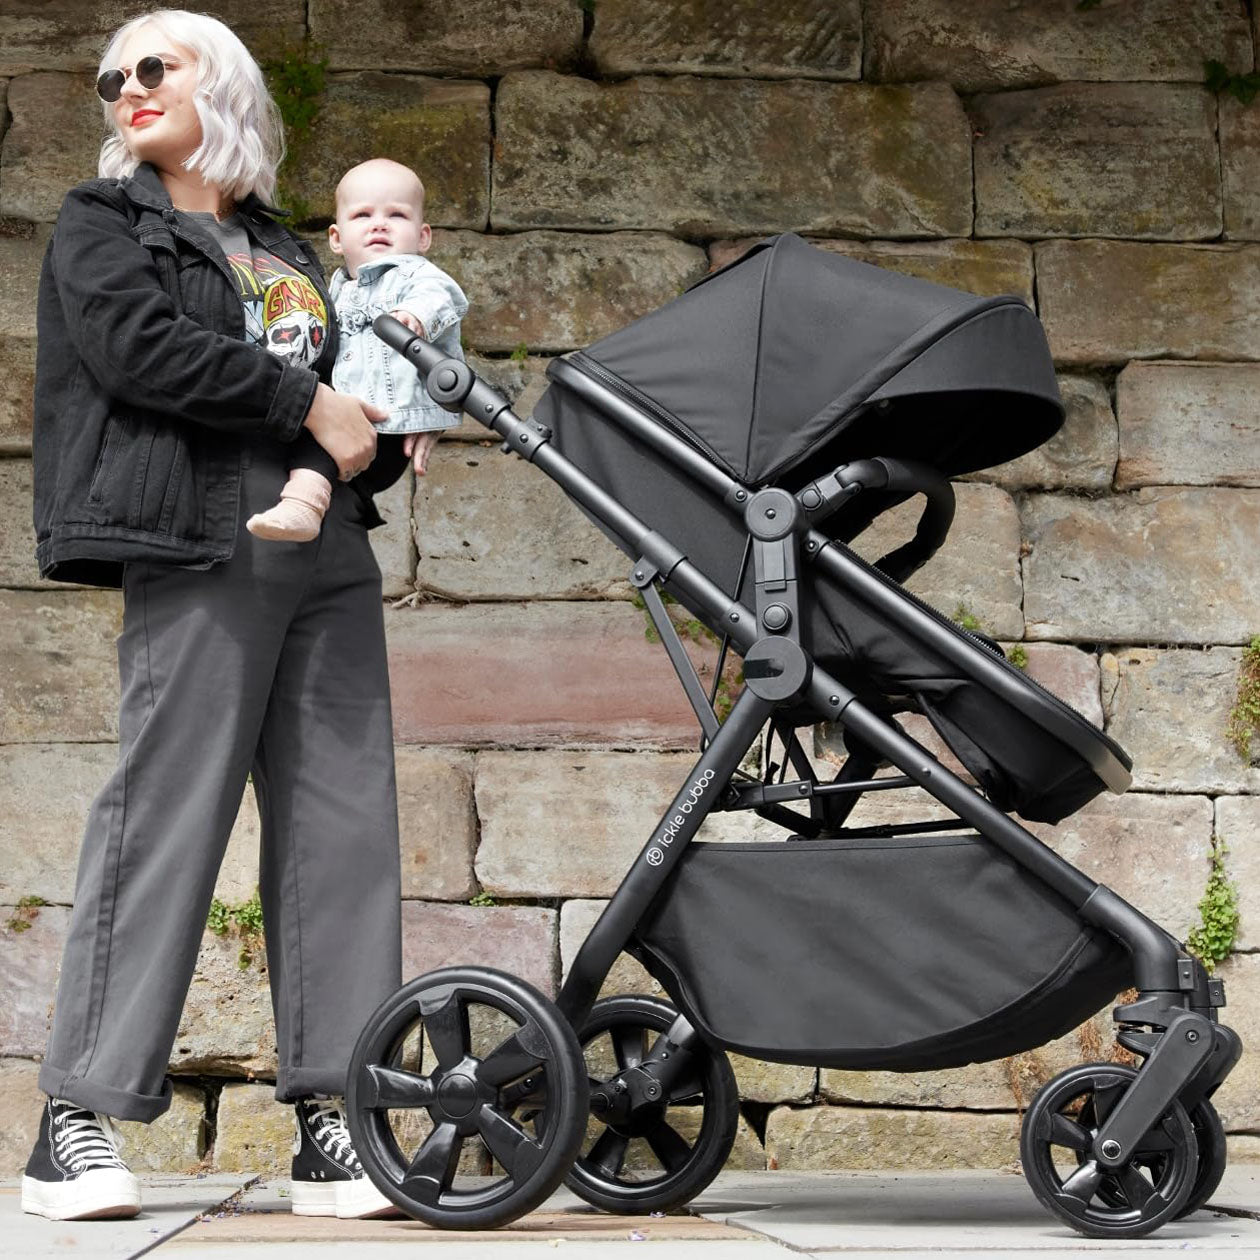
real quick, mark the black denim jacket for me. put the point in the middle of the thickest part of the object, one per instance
(145, 393)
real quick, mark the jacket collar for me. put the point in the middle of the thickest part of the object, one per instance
(144, 188)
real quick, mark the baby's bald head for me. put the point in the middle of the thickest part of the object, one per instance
(379, 178)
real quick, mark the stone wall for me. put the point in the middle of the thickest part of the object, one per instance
(585, 162)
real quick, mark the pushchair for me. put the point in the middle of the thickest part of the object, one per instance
(732, 444)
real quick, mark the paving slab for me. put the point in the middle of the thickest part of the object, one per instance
(171, 1204)
(963, 1213)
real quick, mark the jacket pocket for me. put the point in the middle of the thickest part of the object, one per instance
(105, 461)
(141, 475)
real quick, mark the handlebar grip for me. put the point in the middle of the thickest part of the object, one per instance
(423, 355)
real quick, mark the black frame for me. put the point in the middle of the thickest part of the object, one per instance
(1175, 992)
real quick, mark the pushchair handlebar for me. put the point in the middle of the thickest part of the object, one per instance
(893, 477)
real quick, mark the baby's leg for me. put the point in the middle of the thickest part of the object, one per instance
(305, 497)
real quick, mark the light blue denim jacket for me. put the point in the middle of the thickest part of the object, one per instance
(366, 366)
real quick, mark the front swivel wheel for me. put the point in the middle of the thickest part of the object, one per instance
(467, 1055)
(1056, 1151)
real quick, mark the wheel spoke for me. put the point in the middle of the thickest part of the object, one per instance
(609, 1152)
(518, 1153)
(668, 1147)
(1084, 1181)
(430, 1173)
(447, 1030)
(1066, 1132)
(1136, 1188)
(628, 1044)
(382, 1087)
(1105, 1099)
(509, 1059)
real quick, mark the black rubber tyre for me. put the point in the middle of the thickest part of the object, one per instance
(1129, 1202)
(671, 1169)
(487, 1057)
(1209, 1132)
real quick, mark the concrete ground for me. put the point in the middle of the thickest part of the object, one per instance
(742, 1216)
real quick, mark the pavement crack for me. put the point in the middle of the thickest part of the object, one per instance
(227, 1207)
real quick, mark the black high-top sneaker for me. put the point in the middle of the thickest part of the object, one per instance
(75, 1173)
(327, 1178)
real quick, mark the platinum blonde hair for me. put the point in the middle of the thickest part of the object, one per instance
(242, 136)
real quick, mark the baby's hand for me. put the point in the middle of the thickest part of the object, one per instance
(421, 445)
(406, 317)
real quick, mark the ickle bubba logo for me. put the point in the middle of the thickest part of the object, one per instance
(656, 854)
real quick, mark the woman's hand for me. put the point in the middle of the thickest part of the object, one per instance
(342, 425)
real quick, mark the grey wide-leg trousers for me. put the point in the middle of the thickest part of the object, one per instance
(272, 662)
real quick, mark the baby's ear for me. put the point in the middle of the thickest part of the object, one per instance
(334, 238)
(426, 238)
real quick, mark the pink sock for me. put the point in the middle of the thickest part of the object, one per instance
(300, 512)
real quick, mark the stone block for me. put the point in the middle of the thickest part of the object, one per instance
(58, 667)
(833, 1139)
(609, 802)
(174, 1142)
(517, 939)
(1240, 168)
(1169, 710)
(999, 1085)
(1238, 825)
(562, 674)
(39, 164)
(31, 942)
(1238, 1099)
(705, 157)
(238, 873)
(254, 1132)
(17, 537)
(46, 790)
(990, 268)
(556, 291)
(391, 543)
(1171, 566)
(5, 118)
(1188, 424)
(17, 390)
(71, 35)
(488, 527)
(1242, 1148)
(22, 246)
(577, 917)
(437, 823)
(1111, 301)
(986, 45)
(1081, 456)
(773, 1082)
(226, 1028)
(1069, 673)
(1083, 159)
(439, 127)
(481, 38)
(1154, 851)
(978, 567)
(799, 39)
(22, 1100)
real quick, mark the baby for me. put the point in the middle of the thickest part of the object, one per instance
(381, 233)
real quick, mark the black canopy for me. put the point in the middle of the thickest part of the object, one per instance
(792, 349)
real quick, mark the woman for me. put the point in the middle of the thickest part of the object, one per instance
(185, 338)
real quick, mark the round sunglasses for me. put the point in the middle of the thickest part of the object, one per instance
(149, 72)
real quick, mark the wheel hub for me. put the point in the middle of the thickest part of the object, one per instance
(457, 1095)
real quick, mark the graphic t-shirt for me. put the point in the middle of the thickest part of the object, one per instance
(284, 311)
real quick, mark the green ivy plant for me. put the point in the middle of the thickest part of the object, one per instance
(1243, 87)
(1213, 937)
(244, 920)
(25, 913)
(297, 77)
(1244, 717)
(1018, 656)
(482, 899)
(520, 354)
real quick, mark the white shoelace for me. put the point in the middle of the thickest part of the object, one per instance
(85, 1140)
(328, 1127)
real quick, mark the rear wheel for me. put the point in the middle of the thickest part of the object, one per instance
(474, 1063)
(644, 1154)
